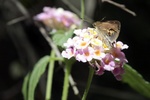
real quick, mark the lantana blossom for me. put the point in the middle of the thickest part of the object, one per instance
(86, 46)
(58, 18)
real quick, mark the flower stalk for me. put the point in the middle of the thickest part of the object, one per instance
(82, 12)
(50, 76)
(66, 82)
(90, 77)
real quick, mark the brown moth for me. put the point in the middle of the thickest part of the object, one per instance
(108, 31)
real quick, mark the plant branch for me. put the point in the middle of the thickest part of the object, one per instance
(123, 7)
(22, 9)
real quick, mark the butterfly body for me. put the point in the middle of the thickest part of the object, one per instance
(108, 31)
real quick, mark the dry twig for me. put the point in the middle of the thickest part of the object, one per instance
(22, 9)
(123, 7)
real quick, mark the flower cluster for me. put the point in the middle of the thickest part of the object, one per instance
(58, 18)
(86, 46)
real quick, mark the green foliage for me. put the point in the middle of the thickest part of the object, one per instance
(31, 80)
(136, 81)
(25, 86)
(60, 37)
(37, 72)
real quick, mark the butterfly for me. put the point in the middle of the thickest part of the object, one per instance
(108, 31)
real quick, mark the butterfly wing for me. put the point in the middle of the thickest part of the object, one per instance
(113, 30)
(108, 31)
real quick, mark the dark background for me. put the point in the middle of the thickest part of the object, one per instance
(21, 45)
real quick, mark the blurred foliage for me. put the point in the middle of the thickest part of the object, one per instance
(136, 81)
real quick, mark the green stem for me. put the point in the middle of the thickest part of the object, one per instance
(57, 58)
(82, 9)
(50, 76)
(66, 82)
(90, 77)
(82, 12)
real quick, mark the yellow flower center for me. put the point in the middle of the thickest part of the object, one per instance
(97, 52)
(83, 44)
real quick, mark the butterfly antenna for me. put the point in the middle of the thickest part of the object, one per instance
(102, 19)
(86, 21)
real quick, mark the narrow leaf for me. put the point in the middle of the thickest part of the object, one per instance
(25, 86)
(136, 81)
(37, 72)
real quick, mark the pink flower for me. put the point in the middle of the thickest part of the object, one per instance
(58, 18)
(87, 47)
(68, 53)
(108, 62)
(118, 71)
(120, 45)
(119, 55)
(98, 53)
(70, 43)
(85, 54)
(100, 68)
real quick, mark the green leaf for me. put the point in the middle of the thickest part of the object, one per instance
(60, 38)
(136, 81)
(25, 86)
(57, 32)
(37, 72)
